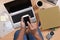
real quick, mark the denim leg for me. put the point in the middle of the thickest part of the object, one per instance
(16, 35)
(31, 37)
(40, 34)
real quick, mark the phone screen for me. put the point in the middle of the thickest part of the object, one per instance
(26, 19)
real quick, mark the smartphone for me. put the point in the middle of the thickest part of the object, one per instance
(26, 19)
(50, 35)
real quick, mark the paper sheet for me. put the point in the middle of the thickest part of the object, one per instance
(5, 28)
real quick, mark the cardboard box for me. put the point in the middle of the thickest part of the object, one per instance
(49, 18)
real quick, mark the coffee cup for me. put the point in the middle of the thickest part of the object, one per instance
(39, 3)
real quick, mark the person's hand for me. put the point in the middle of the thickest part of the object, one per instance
(22, 31)
(34, 30)
(22, 24)
(33, 27)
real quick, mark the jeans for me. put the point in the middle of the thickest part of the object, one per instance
(30, 36)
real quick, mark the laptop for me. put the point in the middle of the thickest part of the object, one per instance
(17, 9)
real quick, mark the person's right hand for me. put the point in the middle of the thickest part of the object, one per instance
(33, 26)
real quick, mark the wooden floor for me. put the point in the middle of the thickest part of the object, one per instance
(9, 36)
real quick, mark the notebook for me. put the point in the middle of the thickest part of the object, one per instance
(49, 18)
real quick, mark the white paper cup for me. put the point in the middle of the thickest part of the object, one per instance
(39, 3)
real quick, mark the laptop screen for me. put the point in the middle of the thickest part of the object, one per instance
(17, 5)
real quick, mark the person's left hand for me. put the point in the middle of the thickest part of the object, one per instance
(22, 24)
